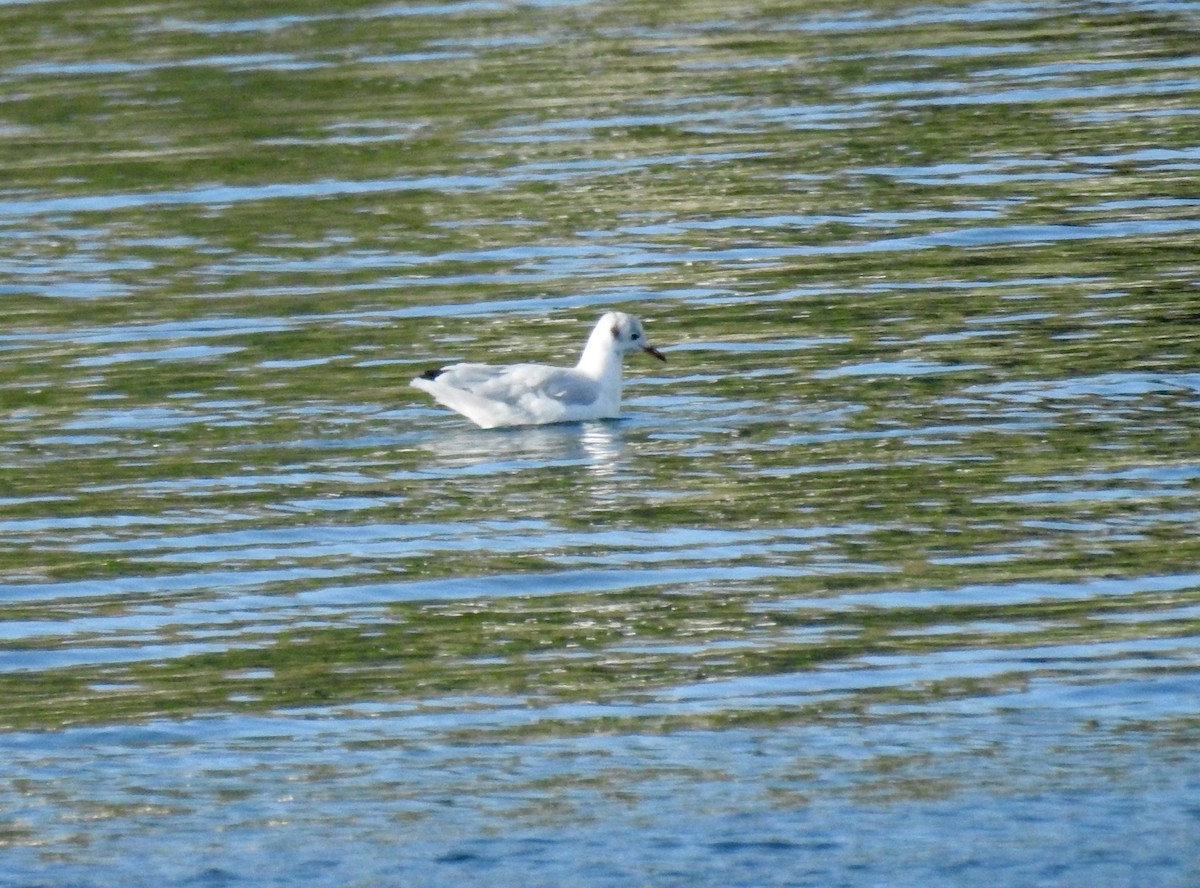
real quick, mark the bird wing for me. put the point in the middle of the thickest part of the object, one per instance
(521, 394)
(522, 382)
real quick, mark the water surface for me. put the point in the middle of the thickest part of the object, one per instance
(888, 575)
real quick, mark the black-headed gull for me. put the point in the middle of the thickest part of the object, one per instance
(492, 396)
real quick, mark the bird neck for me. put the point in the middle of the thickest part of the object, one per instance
(599, 358)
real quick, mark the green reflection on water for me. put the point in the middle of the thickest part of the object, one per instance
(998, 279)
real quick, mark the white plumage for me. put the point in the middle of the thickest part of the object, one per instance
(492, 396)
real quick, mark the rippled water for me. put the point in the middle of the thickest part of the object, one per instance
(888, 576)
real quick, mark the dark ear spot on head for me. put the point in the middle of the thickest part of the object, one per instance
(616, 331)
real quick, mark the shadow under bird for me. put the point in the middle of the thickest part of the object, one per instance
(494, 396)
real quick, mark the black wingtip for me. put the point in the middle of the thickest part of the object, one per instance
(433, 374)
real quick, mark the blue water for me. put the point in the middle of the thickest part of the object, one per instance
(1034, 789)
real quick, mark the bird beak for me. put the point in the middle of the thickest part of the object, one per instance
(651, 350)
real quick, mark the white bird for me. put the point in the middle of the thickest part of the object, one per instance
(492, 396)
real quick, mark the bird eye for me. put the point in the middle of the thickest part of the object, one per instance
(636, 336)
